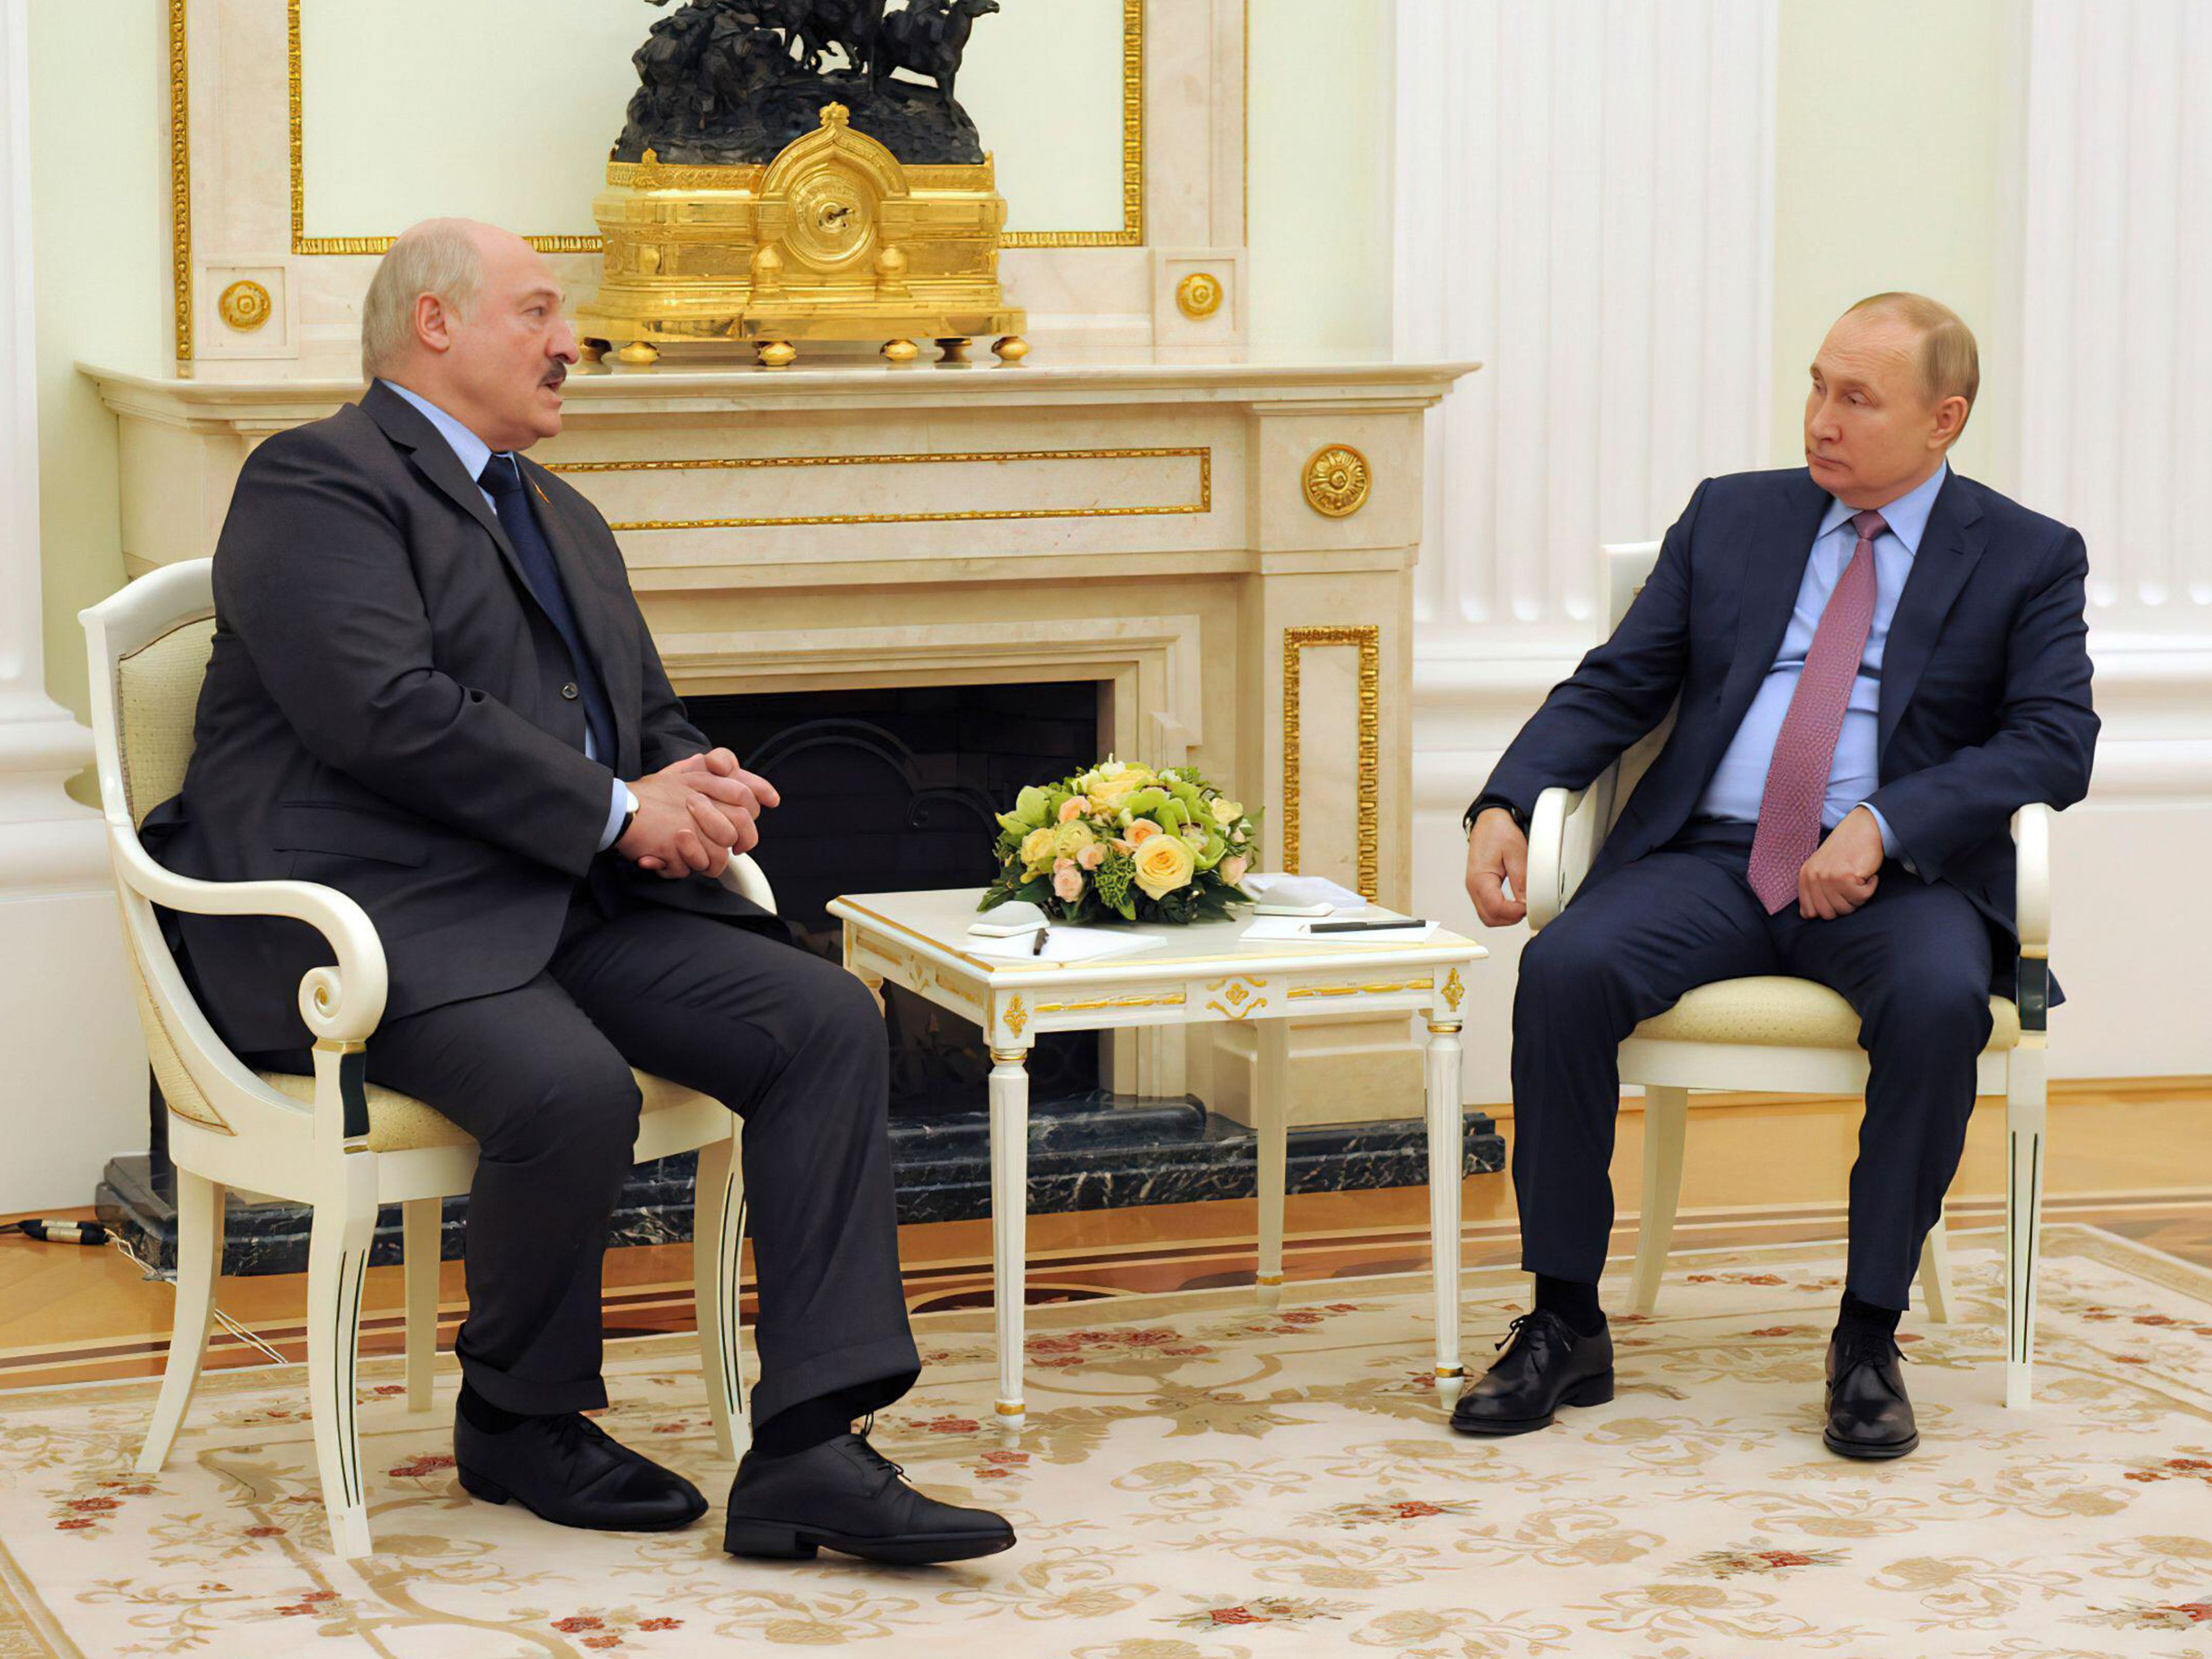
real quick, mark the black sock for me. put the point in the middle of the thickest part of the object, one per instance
(1866, 1319)
(806, 1425)
(1572, 1301)
(483, 1414)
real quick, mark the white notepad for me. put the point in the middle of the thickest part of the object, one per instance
(1064, 943)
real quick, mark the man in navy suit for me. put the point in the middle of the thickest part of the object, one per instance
(1874, 662)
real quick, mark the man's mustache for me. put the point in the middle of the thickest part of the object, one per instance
(555, 374)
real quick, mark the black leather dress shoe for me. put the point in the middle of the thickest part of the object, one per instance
(845, 1495)
(569, 1470)
(1548, 1366)
(1868, 1414)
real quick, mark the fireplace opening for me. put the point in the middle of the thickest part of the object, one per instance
(897, 788)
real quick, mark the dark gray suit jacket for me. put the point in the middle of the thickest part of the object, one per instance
(382, 713)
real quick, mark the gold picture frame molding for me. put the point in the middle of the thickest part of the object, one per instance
(1202, 455)
(1131, 234)
(1367, 639)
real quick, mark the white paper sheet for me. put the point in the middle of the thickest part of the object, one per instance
(1277, 888)
(1063, 944)
(1300, 929)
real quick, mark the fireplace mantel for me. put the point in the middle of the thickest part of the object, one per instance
(1146, 525)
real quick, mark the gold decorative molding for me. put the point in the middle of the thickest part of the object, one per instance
(244, 304)
(1239, 997)
(1367, 638)
(1172, 999)
(1453, 991)
(1199, 294)
(1131, 234)
(180, 178)
(1386, 989)
(1015, 1016)
(1337, 481)
(1444, 1028)
(1202, 455)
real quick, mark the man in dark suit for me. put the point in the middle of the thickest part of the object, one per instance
(432, 688)
(1873, 663)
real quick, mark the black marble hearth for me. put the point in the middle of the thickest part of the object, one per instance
(1085, 1153)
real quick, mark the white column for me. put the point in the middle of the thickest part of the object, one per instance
(72, 1087)
(1583, 203)
(2114, 342)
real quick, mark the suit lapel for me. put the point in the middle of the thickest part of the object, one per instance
(620, 670)
(434, 459)
(1950, 548)
(1773, 570)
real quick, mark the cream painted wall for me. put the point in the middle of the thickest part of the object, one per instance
(1319, 156)
(99, 229)
(1890, 133)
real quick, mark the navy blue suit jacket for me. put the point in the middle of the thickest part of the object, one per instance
(1984, 684)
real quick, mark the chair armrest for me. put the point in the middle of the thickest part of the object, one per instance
(744, 878)
(343, 1003)
(1562, 839)
(2031, 834)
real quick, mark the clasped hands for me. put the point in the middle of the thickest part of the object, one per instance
(693, 815)
(1839, 877)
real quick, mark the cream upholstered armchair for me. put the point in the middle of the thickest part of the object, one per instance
(1772, 1034)
(334, 1141)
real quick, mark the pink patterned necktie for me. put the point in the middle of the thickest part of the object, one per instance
(1797, 775)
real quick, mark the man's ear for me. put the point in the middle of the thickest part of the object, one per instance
(433, 322)
(1950, 420)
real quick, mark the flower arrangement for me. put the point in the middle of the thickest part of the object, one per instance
(1124, 840)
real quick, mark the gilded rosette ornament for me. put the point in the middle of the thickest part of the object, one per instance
(1337, 481)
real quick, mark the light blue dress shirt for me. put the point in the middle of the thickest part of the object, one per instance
(472, 453)
(1741, 780)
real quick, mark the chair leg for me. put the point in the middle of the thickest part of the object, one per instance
(1271, 1111)
(717, 1238)
(2025, 1107)
(421, 1245)
(200, 1264)
(337, 1258)
(1666, 1124)
(1935, 1274)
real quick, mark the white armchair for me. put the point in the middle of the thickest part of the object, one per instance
(334, 1141)
(1778, 1034)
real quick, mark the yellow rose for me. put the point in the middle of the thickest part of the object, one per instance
(1111, 794)
(1071, 838)
(1039, 846)
(1164, 864)
(1227, 812)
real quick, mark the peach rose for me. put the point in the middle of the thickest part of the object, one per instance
(1233, 867)
(1074, 806)
(1092, 856)
(1142, 831)
(1066, 881)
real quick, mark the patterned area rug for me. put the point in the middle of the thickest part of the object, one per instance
(1203, 1480)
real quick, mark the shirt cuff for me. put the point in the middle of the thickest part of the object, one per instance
(1889, 844)
(624, 803)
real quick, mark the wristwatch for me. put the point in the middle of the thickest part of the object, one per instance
(629, 816)
(1485, 804)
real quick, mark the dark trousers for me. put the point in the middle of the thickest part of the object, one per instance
(1914, 963)
(540, 1075)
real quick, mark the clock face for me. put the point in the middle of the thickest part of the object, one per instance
(832, 219)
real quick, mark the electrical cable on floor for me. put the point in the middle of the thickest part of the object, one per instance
(249, 1338)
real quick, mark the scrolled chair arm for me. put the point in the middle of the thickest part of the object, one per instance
(743, 876)
(342, 1003)
(1560, 842)
(2031, 834)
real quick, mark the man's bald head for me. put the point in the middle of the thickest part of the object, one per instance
(468, 316)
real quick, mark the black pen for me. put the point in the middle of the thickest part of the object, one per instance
(1362, 926)
(1036, 945)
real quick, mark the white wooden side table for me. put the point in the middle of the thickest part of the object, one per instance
(1199, 974)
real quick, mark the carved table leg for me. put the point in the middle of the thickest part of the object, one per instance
(1010, 1184)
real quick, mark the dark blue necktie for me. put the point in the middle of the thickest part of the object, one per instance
(510, 499)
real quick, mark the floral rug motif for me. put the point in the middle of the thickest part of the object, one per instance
(1204, 1479)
